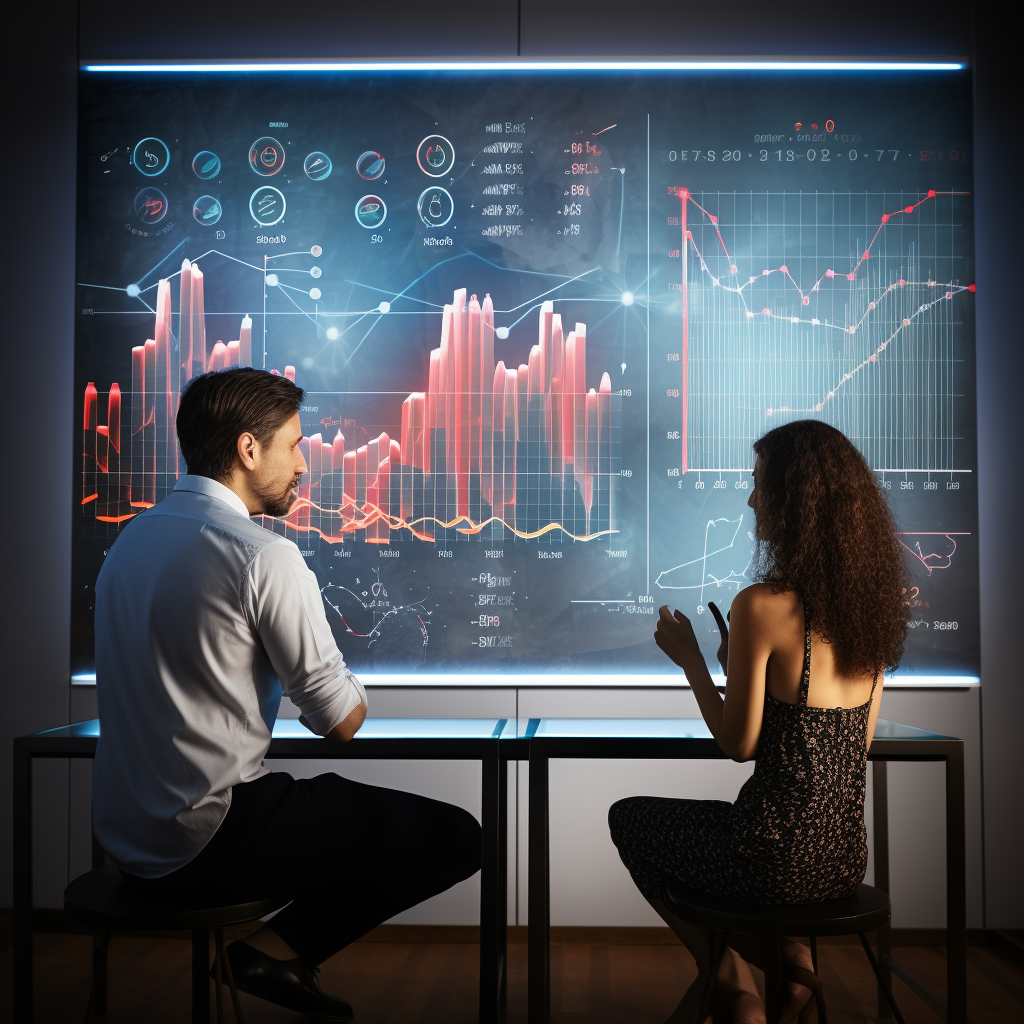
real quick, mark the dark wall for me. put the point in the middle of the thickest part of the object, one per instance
(38, 257)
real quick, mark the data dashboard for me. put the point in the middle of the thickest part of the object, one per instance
(540, 314)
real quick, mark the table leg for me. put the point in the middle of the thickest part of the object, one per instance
(22, 884)
(490, 887)
(538, 930)
(502, 879)
(956, 888)
(880, 851)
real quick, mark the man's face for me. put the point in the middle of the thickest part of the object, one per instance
(279, 469)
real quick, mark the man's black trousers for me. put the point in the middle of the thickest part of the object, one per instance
(348, 855)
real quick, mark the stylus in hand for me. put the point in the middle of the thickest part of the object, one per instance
(723, 647)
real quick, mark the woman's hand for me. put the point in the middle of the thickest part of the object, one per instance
(723, 647)
(674, 635)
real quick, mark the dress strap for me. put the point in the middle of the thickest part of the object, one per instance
(805, 677)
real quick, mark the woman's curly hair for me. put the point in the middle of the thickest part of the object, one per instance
(824, 530)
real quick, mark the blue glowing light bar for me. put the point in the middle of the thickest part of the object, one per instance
(535, 65)
(902, 680)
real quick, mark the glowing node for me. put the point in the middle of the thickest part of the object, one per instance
(316, 250)
(314, 293)
(133, 290)
(765, 311)
(931, 193)
(852, 330)
(732, 268)
(849, 277)
(627, 298)
(972, 287)
(272, 280)
(384, 307)
(885, 218)
(501, 332)
(909, 209)
(784, 269)
(807, 300)
(315, 272)
(332, 333)
(902, 282)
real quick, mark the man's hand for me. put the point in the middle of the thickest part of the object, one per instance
(344, 731)
(674, 635)
(723, 647)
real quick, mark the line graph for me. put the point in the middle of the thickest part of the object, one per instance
(929, 550)
(720, 539)
(843, 306)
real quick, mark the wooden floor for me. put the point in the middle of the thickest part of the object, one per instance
(421, 982)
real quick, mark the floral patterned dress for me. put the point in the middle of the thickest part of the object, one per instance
(796, 831)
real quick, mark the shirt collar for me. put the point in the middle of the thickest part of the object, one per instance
(213, 489)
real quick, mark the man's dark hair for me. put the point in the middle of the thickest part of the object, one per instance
(218, 407)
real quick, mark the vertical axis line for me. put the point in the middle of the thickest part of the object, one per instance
(685, 346)
(648, 586)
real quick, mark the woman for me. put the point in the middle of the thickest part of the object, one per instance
(810, 642)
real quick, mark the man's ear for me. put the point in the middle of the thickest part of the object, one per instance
(248, 450)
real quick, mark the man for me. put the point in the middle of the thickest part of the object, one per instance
(202, 618)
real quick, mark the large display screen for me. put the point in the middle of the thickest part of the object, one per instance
(540, 314)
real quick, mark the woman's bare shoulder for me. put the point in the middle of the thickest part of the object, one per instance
(760, 603)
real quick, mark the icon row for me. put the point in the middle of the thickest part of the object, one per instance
(435, 156)
(267, 206)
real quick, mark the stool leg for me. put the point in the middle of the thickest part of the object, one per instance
(814, 952)
(200, 976)
(773, 980)
(714, 962)
(100, 948)
(886, 991)
(218, 954)
(235, 1003)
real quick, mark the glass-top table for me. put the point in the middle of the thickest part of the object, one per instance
(494, 742)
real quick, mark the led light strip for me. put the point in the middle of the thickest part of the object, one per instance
(904, 680)
(540, 65)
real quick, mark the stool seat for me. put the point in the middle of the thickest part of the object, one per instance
(102, 899)
(868, 908)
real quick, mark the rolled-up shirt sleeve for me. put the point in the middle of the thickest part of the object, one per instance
(288, 614)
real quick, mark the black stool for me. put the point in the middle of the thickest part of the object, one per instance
(102, 900)
(862, 912)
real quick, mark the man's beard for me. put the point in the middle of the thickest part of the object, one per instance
(276, 501)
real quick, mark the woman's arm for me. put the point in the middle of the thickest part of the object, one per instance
(735, 722)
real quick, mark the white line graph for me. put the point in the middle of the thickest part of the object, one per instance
(720, 536)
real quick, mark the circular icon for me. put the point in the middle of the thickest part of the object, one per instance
(206, 164)
(207, 210)
(370, 165)
(151, 205)
(317, 166)
(371, 211)
(267, 205)
(151, 157)
(266, 156)
(435, 206)
(435, 155)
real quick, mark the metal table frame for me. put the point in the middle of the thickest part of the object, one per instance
(920, 747)
(80, 740)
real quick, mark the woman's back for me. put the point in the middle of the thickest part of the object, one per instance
(799, 819)
(783, 619)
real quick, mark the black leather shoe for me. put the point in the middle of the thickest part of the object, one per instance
(287, 983)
